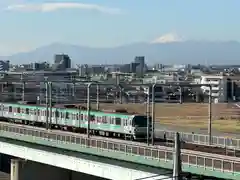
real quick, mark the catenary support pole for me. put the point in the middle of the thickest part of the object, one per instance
(47, 104)
(148, 114)
(50, 105)
(177, 168)
(153, 113)
(97, 97)
(210, 116)
(88, 109)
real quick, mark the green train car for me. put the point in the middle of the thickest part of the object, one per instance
(125, 125)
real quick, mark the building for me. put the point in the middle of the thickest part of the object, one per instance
(61, 62)
(219, 87)
(125, 68)
(140, 69)
(133, 67)
(83, 70)
(4, 65)
(40, 66)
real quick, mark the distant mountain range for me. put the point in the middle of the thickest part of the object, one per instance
(195, 52)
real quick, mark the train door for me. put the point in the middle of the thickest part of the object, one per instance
(62, 117)
(76, 117)
(1, 107)
(56, 117)
(67, 118)
(10, 113)
(43, 114)
(125, 125)
(72, 121)
(5, 110)
(37, 114)
(130, 125)
(81, 119)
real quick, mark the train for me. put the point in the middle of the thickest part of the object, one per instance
(112, 124)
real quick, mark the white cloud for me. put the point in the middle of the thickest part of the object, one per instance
(168, 38)
(48, 7)
(7, 48)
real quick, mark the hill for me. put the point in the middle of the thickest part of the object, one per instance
(171, 53)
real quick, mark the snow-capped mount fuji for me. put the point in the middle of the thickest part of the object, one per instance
(168, 38)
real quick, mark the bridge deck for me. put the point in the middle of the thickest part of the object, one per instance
(194, 162)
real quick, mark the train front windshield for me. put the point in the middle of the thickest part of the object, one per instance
(141, 121)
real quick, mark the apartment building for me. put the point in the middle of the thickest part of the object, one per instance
(218, 84)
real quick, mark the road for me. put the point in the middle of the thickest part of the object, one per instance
(159, 127)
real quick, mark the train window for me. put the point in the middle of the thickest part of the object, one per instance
(38, 112)
(27, 111)
(125, 122)
(99, 119)
(62, 115)
(104, 119)
(5, 108)
(10, 109)
(141, 121)
(67, 115)
(92, 117)
(110, 120)
(81, 116)
(73, 116)
(56, 114)
(118, 121)
(18, 110)
(77, 116)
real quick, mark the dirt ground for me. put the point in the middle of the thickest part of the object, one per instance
(226, 116)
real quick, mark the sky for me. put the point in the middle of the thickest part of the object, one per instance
(28, 24)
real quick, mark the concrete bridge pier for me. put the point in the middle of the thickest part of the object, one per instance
(16, 165)
(29, 170)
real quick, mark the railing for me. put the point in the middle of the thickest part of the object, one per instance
(165, 154)
(202, 139)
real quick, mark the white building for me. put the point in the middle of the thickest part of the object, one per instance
(219, 86)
